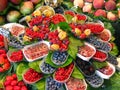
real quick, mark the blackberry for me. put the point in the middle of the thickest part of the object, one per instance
(85, 67)
(59, 57)
(52, 84)
(99, 44)
(95, 81)
(46, 68)
(112, 59)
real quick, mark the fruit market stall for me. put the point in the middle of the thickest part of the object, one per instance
(59, 45)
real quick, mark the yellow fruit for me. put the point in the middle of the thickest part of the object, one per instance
(26, 38)
(87, 32)
(62, 35)
(59, 30)
(48, 13)
(78, 31)
(54, 47)
(74, 19)
(28, 18)
(37, 13)
(35, 28)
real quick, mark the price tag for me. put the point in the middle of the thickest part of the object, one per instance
(4, 32)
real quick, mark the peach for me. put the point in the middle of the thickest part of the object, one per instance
(87, 7)
(79, 3)
(110, 5)
(100, 12)
(98, 4)
(3, 5)
(111, 16)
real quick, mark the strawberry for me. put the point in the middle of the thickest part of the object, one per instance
(9, 78)
(6, 66)
(9, 87)
(6, 83)
(14, 82)
(14, 76)
(16, 88)
(24, 88)
(21, 83)
(82, 36)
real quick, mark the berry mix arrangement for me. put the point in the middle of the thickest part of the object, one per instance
(53, 50)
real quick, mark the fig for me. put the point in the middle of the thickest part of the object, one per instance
(27, 7)
(31, 76)
(3, 5)
(13, 16)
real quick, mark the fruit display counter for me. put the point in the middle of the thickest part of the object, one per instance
(56, 45)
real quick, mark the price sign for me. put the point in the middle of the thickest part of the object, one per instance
(4, 32)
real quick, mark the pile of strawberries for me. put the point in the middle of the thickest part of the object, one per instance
(11, 83)
(4, 63)
(16, 56)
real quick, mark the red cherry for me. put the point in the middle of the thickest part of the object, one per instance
(21, 83)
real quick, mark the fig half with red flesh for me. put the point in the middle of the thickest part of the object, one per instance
(31, 76)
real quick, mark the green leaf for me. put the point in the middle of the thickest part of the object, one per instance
(68, 18)
(73, 46)
(53, 27)
(40, 85)
(99, 65)
(64, 26)
(114, 51)
(21, 68)
(35, 65)
(109, 27)
(48, 60)
(77, 74)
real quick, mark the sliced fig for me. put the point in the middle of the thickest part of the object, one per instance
(63, 74)
(100, 55)
(40, 50)
(31, 76)
(76, 84)
(105, 35)
(86, 52)
(106, 72)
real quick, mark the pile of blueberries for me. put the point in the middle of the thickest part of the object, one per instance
(59, 57)
(95, 81)
(99, 44)
(15, 43)
(46, 68)
(52, 84)
(85, 67)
